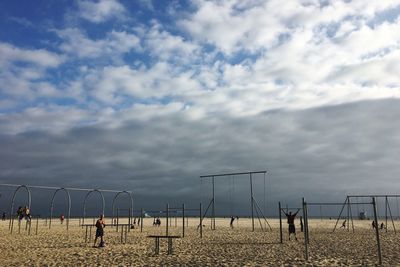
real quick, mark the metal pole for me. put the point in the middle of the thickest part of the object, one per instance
(213, 204)
(183, 220)
(201, 222)
(348, 214)
(305, 230)
(391, 217)
(117, 218)
(386, 213)
(280, 223)
(378, 243)
(167, 219)
(251, 202)
(340, 215)
(351, 217)
(37, 224)
(141, 220)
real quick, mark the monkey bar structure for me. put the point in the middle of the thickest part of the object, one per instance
(305, 206)
(388, 211)
(67, 191)
(253, 202)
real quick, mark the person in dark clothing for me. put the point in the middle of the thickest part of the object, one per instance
(301, 224)
(232, 220)
(100, 224)
(4, 216)
(290, 220)
(343, 224)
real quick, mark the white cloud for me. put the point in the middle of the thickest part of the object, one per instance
(100, 11)
(39, 57)
(163, 45)
(115, 43)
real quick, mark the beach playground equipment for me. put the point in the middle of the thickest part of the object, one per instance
(305, 209)
(66, 190)
(254, 206)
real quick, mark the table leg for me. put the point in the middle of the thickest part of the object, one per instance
(157, 240)
(169, 246)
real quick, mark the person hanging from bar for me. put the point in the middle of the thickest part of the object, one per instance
(290, 220)
(100, 224)
(343, 224)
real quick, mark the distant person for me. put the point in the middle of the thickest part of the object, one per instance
(343, 224)
(373, 224)
(134, 221)
(62, 217)
(232, 220)
(100, 224)
(383, 226)
(138, 221)
(301, 224)
(3, 218)
(290, 220)
(27, 213)
(20, 213)
(158, 221)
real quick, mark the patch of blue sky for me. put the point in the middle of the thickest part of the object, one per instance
(388, 15)
(245, 57)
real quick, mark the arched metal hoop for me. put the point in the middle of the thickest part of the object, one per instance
(13, 199)
(113, 205)
(84, 203)
(52, 206)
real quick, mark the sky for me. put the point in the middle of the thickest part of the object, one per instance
(148, 95)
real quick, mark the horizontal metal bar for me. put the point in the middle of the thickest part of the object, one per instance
(392, 195)
(339, 204)
(228, 174)
(68, 188)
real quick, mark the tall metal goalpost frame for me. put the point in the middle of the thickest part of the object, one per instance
(253, 202)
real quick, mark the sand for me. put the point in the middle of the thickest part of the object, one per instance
(221, 247)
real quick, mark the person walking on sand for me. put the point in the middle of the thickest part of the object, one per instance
(290, 220)
(343, 224)
(232, 220)
(301, 224)
(373, 224)
(100, 224)
(62, 217)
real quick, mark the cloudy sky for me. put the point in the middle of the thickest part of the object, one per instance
(149, 95)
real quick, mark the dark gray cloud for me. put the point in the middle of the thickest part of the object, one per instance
(320, 153)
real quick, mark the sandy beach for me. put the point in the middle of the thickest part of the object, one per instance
(221, 247)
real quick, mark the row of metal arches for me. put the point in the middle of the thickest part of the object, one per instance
(69, 202)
